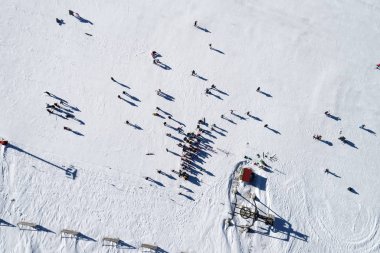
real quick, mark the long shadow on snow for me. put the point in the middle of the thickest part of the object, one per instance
(4, 223)
(34, 156)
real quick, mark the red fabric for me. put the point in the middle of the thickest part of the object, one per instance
(247, 175)
(3, 142)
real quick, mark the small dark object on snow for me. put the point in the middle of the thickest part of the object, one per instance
(71, 13)
(48, 93)
(222, 116)
(210, 45)
(266, 125)
(248, 113)
(362, 126)
(327, 171)
(118, 96)
(213, 86)
(195, 23)
(169, 135)
(67, 128)
(258, 89)
(113, 79)
(159, 171)
(49, 111)
(165, 123)
(60, 21)
(193, 73)
(127, 122)
(327, 113)
(342, 138)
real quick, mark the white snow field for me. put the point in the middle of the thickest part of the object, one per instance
(307, 57)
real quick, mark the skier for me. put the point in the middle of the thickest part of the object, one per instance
(125, 93)
(48, 93)
(248, 113)
(56, 105)
(170, 117)
(327, 113)
(127, 122)
(169, 135)
(158, 109)
(158, 91)
(196, 23)
(118, 96)
(222, 116)
(193, 73)
(213, 86)
(165, 123)
(159, 171)
(232, 111)
(49, 111)
(378, 66)
(167, 150)
(71, 13)
(210, 45)
(266, 125)
(179, 129)
(362, 126)
(67, 128)
(113, 79)
(327, 171)
(208, 91)
(154, 54)
(49, 106)
(258, 89)
(155, 114)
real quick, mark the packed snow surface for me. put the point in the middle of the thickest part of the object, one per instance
(307, 57)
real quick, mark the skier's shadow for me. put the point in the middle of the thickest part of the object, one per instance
(203, 29)
(240, 117)
(83, 20)
(129, 102)
(333, 117)
(327, 142)
(134, 98)
(255, 118)
(156, 182)
(121, 84)
(218, 97)
(77, 133)
(217, 50)
(166, 96)
(135, 126)
(186, 196)
(368, 130)
(222, 92)
(350, 143)
(201, 77)
(266, 94)
(274, 130)
(353, 191)
(163, 65)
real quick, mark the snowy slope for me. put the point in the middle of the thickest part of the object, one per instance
(307, 56)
